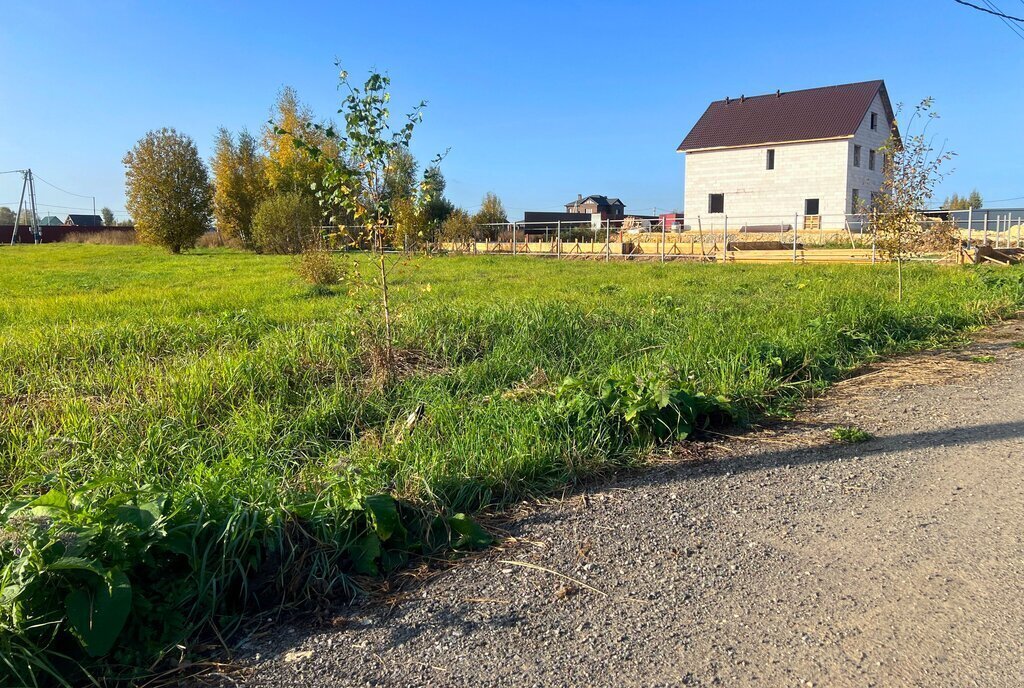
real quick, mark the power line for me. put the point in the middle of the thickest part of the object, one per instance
(70, 193)
(988, 11)
(1012, 27)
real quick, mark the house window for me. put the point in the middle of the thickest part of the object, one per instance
(716, 203)
(770, 159)
(874, 121)
(855, 205)
(856, 156)
(871, 159)
(811, 206)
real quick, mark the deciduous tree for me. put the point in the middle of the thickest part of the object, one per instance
(108, 216)
(240, 183)
(168, 190)
(912, 170)
(7, 216)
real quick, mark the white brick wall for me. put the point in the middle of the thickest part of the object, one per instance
(862, 178)
(756, 195)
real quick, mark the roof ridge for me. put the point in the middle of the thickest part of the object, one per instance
(732, 99)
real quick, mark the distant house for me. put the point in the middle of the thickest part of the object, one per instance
(51, 221)
(764, 159)
(84, 221)
(607, 208)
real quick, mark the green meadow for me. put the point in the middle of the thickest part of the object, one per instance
(188, 439)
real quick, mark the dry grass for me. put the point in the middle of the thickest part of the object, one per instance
(114, 237)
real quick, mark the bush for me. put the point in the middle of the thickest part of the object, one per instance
(318, 267)
(458, 226)
(285, 223)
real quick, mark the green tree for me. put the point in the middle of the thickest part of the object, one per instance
(490, 215)
(240, 183)
(108, 216)
(975, 200)
(285, 223)
(168, 190)
(436, 208)
(361, 166)
(7, 216)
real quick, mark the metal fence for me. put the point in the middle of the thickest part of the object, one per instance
(716, 237)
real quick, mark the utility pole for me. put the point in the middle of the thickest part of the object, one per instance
(27, 186)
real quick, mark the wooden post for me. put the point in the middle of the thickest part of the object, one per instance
(725, 239)
(607, 240)
(796, 218)
(662, 242)
(985, 235)
(513, 239)
(970, 225)
(558, 240)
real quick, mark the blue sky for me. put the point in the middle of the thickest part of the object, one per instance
(538, 101)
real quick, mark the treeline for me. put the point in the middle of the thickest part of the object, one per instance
(261, 192)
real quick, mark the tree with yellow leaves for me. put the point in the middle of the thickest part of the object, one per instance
(240, 183)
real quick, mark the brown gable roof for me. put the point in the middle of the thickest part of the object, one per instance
(814, 113)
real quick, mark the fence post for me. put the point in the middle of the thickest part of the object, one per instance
(1018, 231)
(558, 240)
(970, 225)
(985, 235)
(662, 242)
(725, 239)
(607, 240)
(513, 238)
(874, 237)
(796, 217)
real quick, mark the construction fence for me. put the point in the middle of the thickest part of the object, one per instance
(718, 238)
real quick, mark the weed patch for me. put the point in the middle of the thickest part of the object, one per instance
(850, 434)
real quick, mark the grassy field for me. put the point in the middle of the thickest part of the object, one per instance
(186, 437)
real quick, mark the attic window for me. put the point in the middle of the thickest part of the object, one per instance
(874, 121)
(770, 160)
(716, 203)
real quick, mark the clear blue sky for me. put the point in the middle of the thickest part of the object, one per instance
(538, 101)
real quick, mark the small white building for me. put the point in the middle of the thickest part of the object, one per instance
(812, 156)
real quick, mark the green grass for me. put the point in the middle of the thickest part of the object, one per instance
(210, 420)
(983, 359)
(850, 434)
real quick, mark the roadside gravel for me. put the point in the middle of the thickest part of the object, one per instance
(777, 558)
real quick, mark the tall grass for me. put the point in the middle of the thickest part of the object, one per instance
(210, 423)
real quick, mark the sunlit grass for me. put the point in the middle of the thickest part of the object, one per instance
(220, 379)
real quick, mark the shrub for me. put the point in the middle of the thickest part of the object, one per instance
(458, 226)
(318, 267)
(285, 223)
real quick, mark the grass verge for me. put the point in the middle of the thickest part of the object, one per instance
(184, 440)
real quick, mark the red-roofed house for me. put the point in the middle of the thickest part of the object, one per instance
(764, 159)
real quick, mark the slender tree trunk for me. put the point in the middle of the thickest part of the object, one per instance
(389, 351)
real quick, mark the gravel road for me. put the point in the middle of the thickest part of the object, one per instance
(779, 558)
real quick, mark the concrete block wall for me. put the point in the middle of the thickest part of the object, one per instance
(757, 195)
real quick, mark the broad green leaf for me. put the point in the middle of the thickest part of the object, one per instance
(472, 535)
(98, 613)
(384, 515)
(364, 552)
(77, 564)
